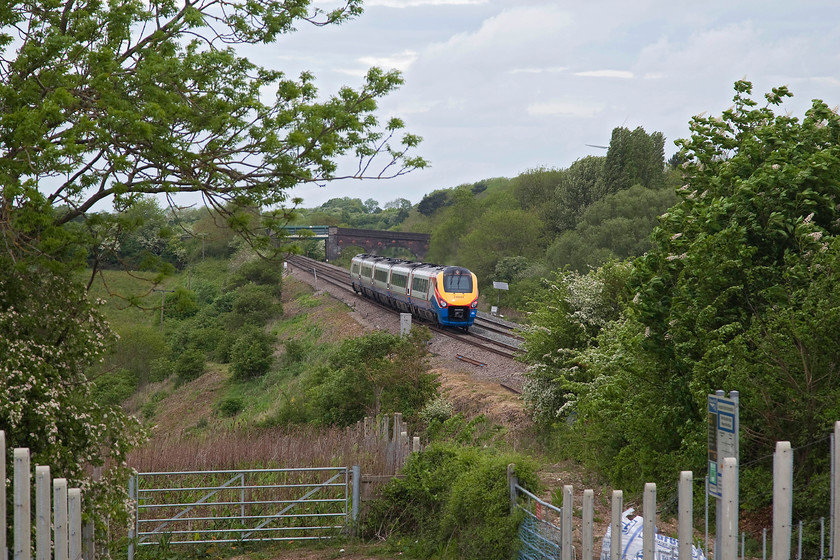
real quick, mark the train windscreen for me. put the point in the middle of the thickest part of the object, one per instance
(457, 282)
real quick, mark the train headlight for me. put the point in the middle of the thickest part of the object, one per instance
(440, 300)
(474, 304)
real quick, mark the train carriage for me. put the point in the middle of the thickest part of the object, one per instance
(447, 295)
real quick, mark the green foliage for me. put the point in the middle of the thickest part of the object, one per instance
(566, 319)
(230, 406)
(138, 346)
(113, 388)
(433, 202)
(190, 365)
(365, 376)
(253, 304)
(180, 304)
(439, 410)
(261, 272)
(501, 232)
(633, 158)
(617, 226)
(252, 353)
(454, 499)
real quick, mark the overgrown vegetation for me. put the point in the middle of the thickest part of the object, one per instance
(453, 500)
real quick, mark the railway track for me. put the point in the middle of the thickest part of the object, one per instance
(486, 334)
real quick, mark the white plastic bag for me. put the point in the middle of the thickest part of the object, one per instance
(631, 542)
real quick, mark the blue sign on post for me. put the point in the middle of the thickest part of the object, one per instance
(722, 435)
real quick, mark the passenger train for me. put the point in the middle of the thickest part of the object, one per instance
(447, 295)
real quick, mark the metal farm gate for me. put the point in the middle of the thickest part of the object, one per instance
(241, 505)
(540, 532)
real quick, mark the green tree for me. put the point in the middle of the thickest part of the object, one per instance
(500, 232)
(634, 157)
(616, 226)
(577, 189)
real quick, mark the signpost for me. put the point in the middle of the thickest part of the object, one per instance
(723, 442)
(499, 286)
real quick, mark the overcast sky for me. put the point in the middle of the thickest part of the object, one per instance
(497, 87)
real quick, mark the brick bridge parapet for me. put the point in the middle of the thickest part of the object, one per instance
(374, 241)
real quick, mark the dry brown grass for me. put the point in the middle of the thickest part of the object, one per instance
(288, 447)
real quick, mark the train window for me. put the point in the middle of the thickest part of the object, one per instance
(355, 268)
(457, 283)
(366, 270)
(399, 280)
(380, 275)
(420, 285)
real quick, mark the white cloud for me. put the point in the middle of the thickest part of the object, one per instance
(401, 61)
(563, 109)
(549, 70)
(623, 74)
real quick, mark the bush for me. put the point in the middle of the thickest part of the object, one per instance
(455, 500)
(436, 410)
(160, 369)
(231, 406)
(138, 346)
(189, 365)
(253, 305)
(180, 304)
(251, 354)
(261, 272)
(113, 388)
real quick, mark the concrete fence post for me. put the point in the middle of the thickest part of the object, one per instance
(685, 528)
(729, 506)
(74, 523)
(566, 524)
(834, 532)
(43, 513)
(782, 500)
(615, 524)
(649, 527)
(22, 487)
(60, 527)
(587, 529)
(4, 552)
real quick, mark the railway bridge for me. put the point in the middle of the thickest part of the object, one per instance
(373, 241)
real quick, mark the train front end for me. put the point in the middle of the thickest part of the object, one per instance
(456, 297)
